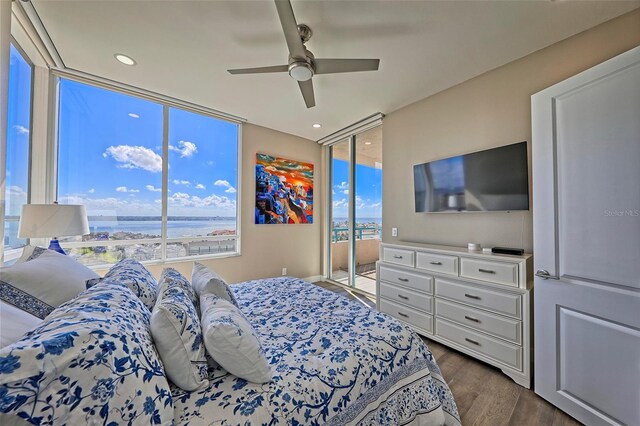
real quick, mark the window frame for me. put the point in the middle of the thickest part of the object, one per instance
(167, 103)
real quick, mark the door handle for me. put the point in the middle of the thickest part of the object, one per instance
(544, 274)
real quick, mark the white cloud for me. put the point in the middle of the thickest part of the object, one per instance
(225, 183)
(125, 189)
(200, 186)
(342, 186)
(21, 129)
(135, 157)
(181, 182)
(182, 202)
(374, 205)
(185, 148)
(153, 188)
(340, 203)
(345, 192)
(91, 191)
(121, 206)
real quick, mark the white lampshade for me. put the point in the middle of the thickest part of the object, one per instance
(52, 220)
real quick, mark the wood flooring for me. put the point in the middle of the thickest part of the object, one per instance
(484, 396)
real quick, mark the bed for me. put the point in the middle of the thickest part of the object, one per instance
(335, 362)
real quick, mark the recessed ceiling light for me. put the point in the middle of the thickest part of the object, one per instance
(367, 143)
(133, 115)
(124, 59)
(317, 126)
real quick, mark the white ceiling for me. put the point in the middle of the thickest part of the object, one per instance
(183, 49)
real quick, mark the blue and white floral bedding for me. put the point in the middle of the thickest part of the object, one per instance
(335, 362)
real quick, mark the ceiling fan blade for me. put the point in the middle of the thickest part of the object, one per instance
(306, 87)
(259, 70)
(290, 28)
(331, 66)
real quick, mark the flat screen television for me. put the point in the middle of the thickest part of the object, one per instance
(492, 180)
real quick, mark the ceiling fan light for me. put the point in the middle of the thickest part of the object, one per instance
(300, 71)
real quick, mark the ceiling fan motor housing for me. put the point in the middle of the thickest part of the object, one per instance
(300, 70)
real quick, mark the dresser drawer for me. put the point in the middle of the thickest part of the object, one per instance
(437, 263)
(418, 282)
(469, 294)
(502, 327)
(418, 319)
(487, 270)
(398, 256)
(500, 351)
(415, 300)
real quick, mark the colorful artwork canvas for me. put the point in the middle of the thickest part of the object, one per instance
(284, 191)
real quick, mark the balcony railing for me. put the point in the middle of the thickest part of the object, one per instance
(361, 232)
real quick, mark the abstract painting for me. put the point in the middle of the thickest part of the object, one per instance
(284, 191)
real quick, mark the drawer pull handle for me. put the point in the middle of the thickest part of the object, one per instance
(471, 318)
(472, 296)
(403, 297)
(487, 271)
(403, 315)
(397, 256)
(404, 280)
(436, 263)
(475, 342)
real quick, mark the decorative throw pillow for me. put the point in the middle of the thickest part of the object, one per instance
(14, 323)
(170, 277)
(135, 276)
(177, 334)
(205, 281)
(231, 341)
(91, 361)
(29, 253)
(39, 285)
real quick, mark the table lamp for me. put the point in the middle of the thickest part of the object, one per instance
(53, 221)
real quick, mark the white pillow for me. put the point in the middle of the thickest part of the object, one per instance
(177, 335)
(44, 283)
(205, 281)
(14, 323)
(231, 341)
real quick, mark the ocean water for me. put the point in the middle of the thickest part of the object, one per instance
(175, 228)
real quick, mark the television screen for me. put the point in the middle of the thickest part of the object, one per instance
(492, 180)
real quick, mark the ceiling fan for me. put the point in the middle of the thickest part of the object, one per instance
(302, 64)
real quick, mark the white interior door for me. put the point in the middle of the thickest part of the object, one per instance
(586, 177)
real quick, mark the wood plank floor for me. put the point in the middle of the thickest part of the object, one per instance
(484, 396)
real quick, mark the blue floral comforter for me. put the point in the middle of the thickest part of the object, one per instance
(335, 362)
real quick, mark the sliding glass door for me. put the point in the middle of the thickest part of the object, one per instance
(368, 207)
(356, 209)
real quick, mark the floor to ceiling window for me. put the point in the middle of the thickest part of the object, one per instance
(356, 209)
(158, 182)
(18, 147)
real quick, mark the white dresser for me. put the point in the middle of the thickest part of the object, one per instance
(477, 303)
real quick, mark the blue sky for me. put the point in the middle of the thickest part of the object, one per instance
(18, 129)
(368, 190)
(110, 156)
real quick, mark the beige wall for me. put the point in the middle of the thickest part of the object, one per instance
(490, 110)
(266, 249)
